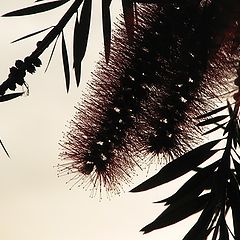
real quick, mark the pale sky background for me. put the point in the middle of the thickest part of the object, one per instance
(34, 203)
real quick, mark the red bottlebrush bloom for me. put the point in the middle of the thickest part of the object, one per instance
(144, 100)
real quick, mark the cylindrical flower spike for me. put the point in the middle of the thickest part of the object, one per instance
(143, 101)
(192, 59)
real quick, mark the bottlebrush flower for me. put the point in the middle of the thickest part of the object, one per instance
(144, 100)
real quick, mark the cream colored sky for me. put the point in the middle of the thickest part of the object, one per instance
(34, 203)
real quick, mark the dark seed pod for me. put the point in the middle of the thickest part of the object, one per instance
(144, 100)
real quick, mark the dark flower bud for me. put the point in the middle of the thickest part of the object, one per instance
(37, 62)
(12, 85)
(27, 60)
(237, 81)
(13, 71)
(21, 73)
(19, 64)
(236, 96)
(20, 81)
(39, 43)
(31, 69)
(29, 65)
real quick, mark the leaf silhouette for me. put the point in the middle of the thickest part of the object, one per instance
(5, 150)
(106, 18)
(36, 9)
(195, 185)
(237, 168)
(198, 231)
(65, 62)
(216, 128)
(230, 110)
(177, 212)
(212, 120)
(51, 55)
(10, 96)
(81, 32)
(208, 114)
(223, 230)
(179, 166)
(31, 34)
(234, 198)
(128, 14)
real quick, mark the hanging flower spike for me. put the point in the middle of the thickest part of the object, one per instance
(96, 150)
(130, 99)
(191, 55)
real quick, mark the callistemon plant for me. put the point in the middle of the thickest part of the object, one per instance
(154, 95)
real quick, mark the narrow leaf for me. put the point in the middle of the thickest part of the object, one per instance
(208, 114)
(198, 231)
(81, 33)
(195, 185)
(10, 96)
(5, 150)
(128, 14)
(31, 34)
(230, 110)
(234, 198)
(51, 55)
(223, 230)
(76, 57)
(216, 128)
(179, 166)
(177, 212)
(65, 62)
(36, 9)
(237, 168)
(106, 18)
(237, 137)
(212, 120)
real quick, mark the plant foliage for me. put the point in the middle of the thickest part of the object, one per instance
(214, 188)
(219, 179)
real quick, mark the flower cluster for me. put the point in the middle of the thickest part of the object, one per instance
(143, 103)
(18, 72)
